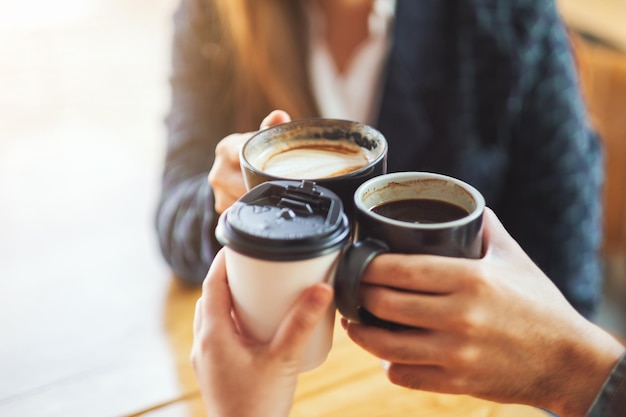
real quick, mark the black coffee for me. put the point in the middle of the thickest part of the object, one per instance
(421, 211)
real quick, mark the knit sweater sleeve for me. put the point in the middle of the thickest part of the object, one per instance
(185, 217)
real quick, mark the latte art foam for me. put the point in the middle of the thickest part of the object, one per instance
(315, 162)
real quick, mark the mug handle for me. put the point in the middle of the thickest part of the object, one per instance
(350, 270)
(348, 280)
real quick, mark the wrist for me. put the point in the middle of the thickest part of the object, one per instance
(585, 363)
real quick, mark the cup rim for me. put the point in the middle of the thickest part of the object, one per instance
(405, 176)
(315, 121)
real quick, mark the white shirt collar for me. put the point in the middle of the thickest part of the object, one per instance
(354, 95)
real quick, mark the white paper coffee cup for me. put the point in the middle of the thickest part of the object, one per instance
(281, 238)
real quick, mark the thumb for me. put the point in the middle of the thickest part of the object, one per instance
(274, 118)
(303, 317)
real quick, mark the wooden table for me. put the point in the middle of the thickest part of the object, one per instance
(68, 354)
(91, 322)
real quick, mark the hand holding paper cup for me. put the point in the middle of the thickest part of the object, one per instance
(281, 238)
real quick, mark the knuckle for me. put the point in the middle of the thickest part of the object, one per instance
(476, 278)
(215, 179)
(383, 304)
(195, 357)
(376, 302)
(462, 358)
(399, 270)
(213, 175)
(467, 320)
(219, 206)
(223, 145)
(229, 147)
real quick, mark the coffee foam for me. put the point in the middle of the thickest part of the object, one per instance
(313, 162)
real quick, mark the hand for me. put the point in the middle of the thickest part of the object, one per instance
(495, 328)
(240, 377)
(225, 176)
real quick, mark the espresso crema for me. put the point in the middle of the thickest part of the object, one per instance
(312, 162)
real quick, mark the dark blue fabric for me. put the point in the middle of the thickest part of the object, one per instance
(486, 91)
(483, 90)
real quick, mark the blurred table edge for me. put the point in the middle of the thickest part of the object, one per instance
(601, 20)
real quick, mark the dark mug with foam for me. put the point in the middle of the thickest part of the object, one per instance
(408, 213)
(336, 154)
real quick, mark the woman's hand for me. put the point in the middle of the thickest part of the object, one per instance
(225, 176)
(240, 377)
(495, 328)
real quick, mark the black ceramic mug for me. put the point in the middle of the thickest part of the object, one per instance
(408, 213)
(336, 154)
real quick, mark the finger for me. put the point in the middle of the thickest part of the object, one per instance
(227, 185)
(217, 303)
(437, 274)
(274, 118)
(303, 317)
(419, 273)
(420, 347)
(223, 202)
(225, 196)
(197, 317)
(230, 146)
(423, 377)
(412, 309)
(224, 176)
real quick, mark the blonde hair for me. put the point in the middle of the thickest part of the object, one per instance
(266, 42)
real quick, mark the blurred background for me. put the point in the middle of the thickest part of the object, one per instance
(83, 288)
(83, 94)
(83, 91)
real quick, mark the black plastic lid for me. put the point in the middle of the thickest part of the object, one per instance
(285, 220)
